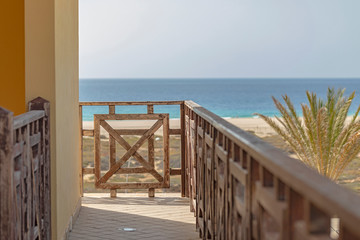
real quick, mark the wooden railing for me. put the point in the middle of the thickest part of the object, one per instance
(240, 187)
(25, 173)
(114, 137)
(243, 188)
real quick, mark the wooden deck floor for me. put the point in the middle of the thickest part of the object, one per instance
(163, 217)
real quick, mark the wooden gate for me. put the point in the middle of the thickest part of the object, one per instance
(116, 167)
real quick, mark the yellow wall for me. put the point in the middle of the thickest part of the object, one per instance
(52, 72)
(12, 56)
(67, 110)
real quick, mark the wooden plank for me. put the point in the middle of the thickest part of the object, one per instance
(175, 131)
(130, 185)
(131, 131)
(166, 152)
(182, 126)
(28, 117)
(120, 171)
(131, 116)
(18, 149)
(151, 150)
(175, 171)
(7, 223)
(87, 132)
(97, 149)
(88, 170)
(131, 103)
(35, 139)
(81, 150)
(112, 155)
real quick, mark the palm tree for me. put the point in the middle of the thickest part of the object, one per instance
(321, 138)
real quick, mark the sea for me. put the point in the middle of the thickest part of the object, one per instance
(228, 98)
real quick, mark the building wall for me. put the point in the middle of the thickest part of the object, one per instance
(12, 56)
(51, 29)
(67, 111)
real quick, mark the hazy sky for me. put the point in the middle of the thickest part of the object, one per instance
(219, 38)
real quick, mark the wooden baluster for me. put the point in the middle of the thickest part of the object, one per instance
(112, 146)
(150, 110)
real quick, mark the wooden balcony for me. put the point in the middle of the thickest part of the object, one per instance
(238, 186)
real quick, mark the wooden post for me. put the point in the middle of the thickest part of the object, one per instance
(112, 151)
(81, 152)
(7, 224)
(42, 104)
(150, 110)
(182, 126)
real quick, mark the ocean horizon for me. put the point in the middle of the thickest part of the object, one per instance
(226, 97)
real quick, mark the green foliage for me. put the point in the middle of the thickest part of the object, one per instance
(322, 138)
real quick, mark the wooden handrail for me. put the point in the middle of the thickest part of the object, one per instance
(131, 103)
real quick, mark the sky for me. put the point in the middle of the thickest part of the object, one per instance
(219, 38)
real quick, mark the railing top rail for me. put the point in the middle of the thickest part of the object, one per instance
(327, 195)
(130, 103)
(28, 117)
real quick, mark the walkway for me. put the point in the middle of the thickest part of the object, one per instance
(134, 216)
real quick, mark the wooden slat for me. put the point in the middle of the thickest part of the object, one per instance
(81, 150)
(88, 171)
(182, 126)
(175, 171)
(130, 185)
(130, 116)
(131, 103)
(151, 150)
(35, 139)
(88, 132)
(18, 149)
(175, 131)
(166, 154)
(112, 155)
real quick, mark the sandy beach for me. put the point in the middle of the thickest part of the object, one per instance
(255, 125)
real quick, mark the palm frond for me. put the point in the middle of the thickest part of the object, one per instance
(321, 138)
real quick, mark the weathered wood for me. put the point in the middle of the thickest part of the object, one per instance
(105, 117)
(45, 183)
(150, 110)
(87, 132)
(175, 171)
(277, 168)
(131, 185)
(82, 134)
(131, 103)
(7, 223)
(148, 166)
(112, 146)
(175, 131)
(88, 171)
(183, 154)
(27, 118)
(166, 152)
(131, 151)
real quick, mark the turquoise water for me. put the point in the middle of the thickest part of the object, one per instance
(225, 97)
